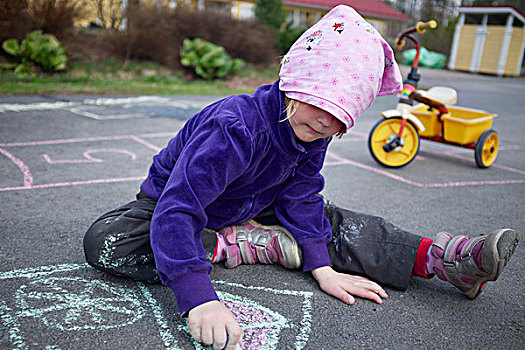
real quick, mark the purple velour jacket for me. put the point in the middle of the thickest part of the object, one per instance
(229, 162)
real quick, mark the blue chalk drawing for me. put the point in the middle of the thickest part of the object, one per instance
(69, 310)
(72, 304)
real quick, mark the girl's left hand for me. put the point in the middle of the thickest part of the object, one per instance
(345, 287)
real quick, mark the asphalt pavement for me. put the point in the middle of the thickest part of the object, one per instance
(64, 160)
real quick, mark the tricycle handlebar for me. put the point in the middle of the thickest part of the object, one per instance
(421, 27)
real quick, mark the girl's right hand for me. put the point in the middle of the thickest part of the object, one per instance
(212, 323)
(345, 287)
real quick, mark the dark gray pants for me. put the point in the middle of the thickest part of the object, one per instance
(119, 243)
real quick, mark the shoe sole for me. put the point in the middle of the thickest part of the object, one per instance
(497, 251)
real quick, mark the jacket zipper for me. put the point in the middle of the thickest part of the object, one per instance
(302, 157)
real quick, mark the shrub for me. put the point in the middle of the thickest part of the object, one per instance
(209, 61)
(41, 49)
(157, 34)
(15, 22)
(270, 12)
(55, 16)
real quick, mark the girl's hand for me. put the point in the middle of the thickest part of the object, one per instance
(345, 287)
(212, 323)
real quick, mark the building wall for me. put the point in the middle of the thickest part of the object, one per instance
(467, 40)
(513, 63)
(492, 50)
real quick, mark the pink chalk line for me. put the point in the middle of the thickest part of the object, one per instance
(91, 139)
(341, 160)
(146, 143)
(74, 183)
(353, 136)
(88, 157)
(457, 156)
(28, 178)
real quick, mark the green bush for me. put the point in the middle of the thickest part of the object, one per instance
(43, 50)
(208, 60)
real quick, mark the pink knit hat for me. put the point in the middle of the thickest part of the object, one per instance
(340, 65)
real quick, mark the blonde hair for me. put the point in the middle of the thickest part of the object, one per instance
(292, 106)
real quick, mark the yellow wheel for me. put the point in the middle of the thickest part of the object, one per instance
(486, 150)
(387, 148)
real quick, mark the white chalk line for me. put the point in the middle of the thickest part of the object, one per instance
(165, 333)
(79, 108)
(13, 327)
(170, 342)
(78, 310)
(32, 272)
(11, 322)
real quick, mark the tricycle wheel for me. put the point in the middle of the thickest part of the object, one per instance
(487, 148)
(387, 148)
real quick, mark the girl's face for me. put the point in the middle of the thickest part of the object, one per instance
(310, 123)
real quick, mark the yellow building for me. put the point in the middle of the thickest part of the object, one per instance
(489, 39)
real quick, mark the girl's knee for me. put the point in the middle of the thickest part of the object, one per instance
(96, 241)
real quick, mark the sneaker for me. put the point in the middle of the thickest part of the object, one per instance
(252, 242)
(469, 263)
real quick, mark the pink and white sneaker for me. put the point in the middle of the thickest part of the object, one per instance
(252, 242)
(469, 263)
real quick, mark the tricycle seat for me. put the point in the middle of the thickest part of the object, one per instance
(440, 94)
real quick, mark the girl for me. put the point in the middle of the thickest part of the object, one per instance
(259, 157)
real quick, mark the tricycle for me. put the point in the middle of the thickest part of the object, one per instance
(431, 115)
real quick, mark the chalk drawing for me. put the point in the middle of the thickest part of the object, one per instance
(88, 158)
(73, 304)
(165, 333)
(89, 107)
(306, 321)
(11, 323)
(28, 182)
(343, 161)
(40, 106)
(333, 159)
(28, 178)
(90, 112)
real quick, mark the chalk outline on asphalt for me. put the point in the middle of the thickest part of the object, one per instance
(85, 107)
(141, 139)
(38, 274)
